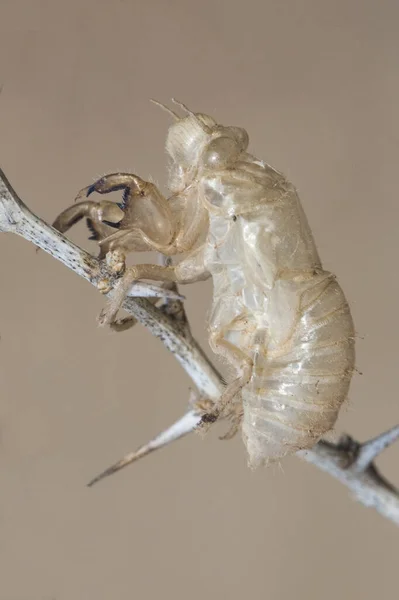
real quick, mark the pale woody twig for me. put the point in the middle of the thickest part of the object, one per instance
(348, 461)
(183, 426)
(366, 483)
(338, 460)
(369, 451)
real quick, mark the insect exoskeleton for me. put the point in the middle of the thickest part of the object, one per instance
(277, 317)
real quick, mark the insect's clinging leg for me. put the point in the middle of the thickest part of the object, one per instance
(123, 324)
(128, 322)
(242, 363)
(189, 270)
(235, 415)
(244, 367)
(155, 272)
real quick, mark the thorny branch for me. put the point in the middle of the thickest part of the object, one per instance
(348, 461)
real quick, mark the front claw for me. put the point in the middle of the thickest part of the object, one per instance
(113, 183)
(84, 193)
(101, 218)
(72, 215)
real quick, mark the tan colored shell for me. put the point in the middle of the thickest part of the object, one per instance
(277, 317)
(275, 305)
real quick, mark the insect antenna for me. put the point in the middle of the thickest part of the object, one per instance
(184, 107)
(192, 114)
(166, 108)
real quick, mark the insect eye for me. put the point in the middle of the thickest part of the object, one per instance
(240, 135)
(220, 152)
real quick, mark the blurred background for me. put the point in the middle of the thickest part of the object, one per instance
(316, 84)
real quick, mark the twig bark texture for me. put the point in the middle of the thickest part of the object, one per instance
(348, 461)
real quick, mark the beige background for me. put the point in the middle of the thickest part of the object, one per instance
(316, 84)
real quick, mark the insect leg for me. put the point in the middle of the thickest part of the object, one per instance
(95, 212)
(235, 415)
(128, 322)
(146, 221)
(112, 183)
(244, 366)
(190, 270)
(143, 207)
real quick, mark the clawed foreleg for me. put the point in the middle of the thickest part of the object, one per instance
(100, 217)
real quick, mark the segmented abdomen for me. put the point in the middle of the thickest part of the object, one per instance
(299, 384)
